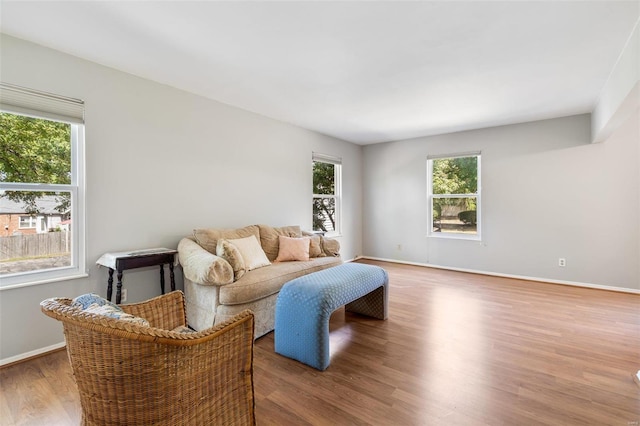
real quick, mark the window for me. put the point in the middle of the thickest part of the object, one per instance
(27, 222)
(454, 196)
(41, 187)
(326, 193)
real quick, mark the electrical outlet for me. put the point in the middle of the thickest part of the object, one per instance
(562, 262)
(123, 295)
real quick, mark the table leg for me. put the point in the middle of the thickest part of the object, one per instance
(173, 277)
(119, 288)
(110, 284)
(162, 278)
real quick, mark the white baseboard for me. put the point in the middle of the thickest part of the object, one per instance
(497, 274)
(30, 354)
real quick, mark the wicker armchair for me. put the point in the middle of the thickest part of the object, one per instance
(129, 374)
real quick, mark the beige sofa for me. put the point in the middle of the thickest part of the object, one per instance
(215, 291)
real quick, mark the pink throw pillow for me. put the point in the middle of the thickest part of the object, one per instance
(293, 248)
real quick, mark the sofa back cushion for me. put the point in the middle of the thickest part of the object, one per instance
(208, 237)
(269, 238)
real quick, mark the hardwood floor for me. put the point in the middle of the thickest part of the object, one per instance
(457, 349)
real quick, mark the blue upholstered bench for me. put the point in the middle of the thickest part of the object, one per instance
(305, 304)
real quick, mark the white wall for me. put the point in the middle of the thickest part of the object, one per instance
(160, 162)
(546, 193)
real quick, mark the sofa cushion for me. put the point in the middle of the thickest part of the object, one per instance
(231, 254)
(269, 238)
(292, 249)
(263, 282)
(208, 237)
(251, 252)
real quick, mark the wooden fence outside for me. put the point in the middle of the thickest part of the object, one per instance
(35, 245)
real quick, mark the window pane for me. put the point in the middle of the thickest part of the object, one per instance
(455, 175)
(36, 231)
(324, 178)
(455, 215)
(34, 150)
(324, 214)
(27, 222)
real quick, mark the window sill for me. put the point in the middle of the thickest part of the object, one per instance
(43, 281)
(333, 235)
(452, 236)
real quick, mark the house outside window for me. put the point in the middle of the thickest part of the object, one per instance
(41, 185)
(27, 222)
(453, 184)
(327, 188)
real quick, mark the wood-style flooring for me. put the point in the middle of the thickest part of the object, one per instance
(457, 349)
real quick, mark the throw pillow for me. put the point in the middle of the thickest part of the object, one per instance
(315, 248)
(231, 254)
(251, 252)
(94, 304)
(269, 238)
(86, 300)
(293, 249)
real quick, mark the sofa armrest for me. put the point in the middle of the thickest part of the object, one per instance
(202, 267)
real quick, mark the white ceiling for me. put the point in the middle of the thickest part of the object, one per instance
(361, 71)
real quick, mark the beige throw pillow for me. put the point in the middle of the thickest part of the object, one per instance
(231, 254)
(251, 252)
(293, 249)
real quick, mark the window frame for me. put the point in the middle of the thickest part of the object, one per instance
(33, 222)
(477, 195)
(76, 188)
(337, 194)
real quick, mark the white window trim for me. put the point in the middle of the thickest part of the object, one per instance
(16, 100)
(337, 195)
(431, 196)
(33, 221)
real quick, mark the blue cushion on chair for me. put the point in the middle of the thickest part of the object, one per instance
(93, 303)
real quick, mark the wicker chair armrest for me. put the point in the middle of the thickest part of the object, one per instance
(166, 311)
(61, 309)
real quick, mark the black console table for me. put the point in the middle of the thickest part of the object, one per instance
(137, 259)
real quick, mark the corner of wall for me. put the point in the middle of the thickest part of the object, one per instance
(620, 96)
